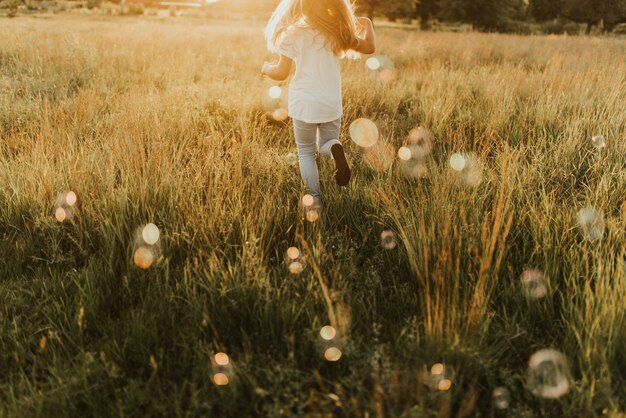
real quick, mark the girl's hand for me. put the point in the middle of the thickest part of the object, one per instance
(279, 71)
(367, 45)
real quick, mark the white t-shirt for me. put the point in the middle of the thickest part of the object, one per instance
(315, 90)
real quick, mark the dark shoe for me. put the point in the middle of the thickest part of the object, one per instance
(342, 169)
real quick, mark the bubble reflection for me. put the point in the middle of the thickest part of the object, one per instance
(382, 66)
(275, 92)
(143, 257)
(71, 198)
(221, 359)
(457, 162)
(328, 332)
(296, 267)
(60, 214)
(281, 114)
(308, 200)
(293, 253)
(404, 153)
(548, 374)
(332, 354)
(388, 239)
(437, 378)
(150, 234)
(534, 284)
(291, 159)
(468, 169)
(364, 132)
(312, 215)
(501, 398)
(373, 63)
(591, 223)
(222, 369)
(147, 246)
(598, 141)
(220, 379)
(64, 207)
(414, 154)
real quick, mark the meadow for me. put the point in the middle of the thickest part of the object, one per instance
(164, 121)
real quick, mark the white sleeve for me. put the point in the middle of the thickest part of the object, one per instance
(287, 45)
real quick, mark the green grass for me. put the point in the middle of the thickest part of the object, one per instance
(163, 121)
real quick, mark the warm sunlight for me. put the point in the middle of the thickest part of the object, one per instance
(313, 208)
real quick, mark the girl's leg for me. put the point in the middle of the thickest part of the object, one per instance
(329, 145)
(305, 134)
(328, 136)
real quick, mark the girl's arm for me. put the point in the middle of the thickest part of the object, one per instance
(368, 44)
(279, 71)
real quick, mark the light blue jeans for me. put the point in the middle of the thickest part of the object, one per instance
(308, 135)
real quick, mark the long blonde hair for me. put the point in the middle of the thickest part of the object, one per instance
(334, 19)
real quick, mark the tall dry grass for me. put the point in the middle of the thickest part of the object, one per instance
(163, 121)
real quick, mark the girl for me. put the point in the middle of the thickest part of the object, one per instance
(315, 34)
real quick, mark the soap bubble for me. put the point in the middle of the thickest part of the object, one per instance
(468, 169)
(548, 374)
(437, 378)
(150, 234)
(444, 385)
(404, 153)
(387, 75)
(281, 114)
(291, 159)
(332, 354)
(457, 162)
(591, 223)
(328, 333)
(293, 253)
(221, 359)
(420, 142)
(220, 379)
(308, 200)
(382, 66)
(64, 207)
(275, 92)
(373, 63)
(437, 369)
(364, 132)
(275, 108)
(222, 369)
(415, 169)
(414, 155)
(296, 267)
(501, 398)
(294, 260)
(147, 246)
(388, 239)
(60, 214)
(312, 215)
(143, 257)
(598, 141)
(71, 198)
(534, 284)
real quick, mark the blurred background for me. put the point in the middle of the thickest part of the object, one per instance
(511, 16)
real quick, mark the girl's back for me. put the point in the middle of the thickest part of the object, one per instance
(315, 90)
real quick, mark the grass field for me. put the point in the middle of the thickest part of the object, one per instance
(163, 121)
